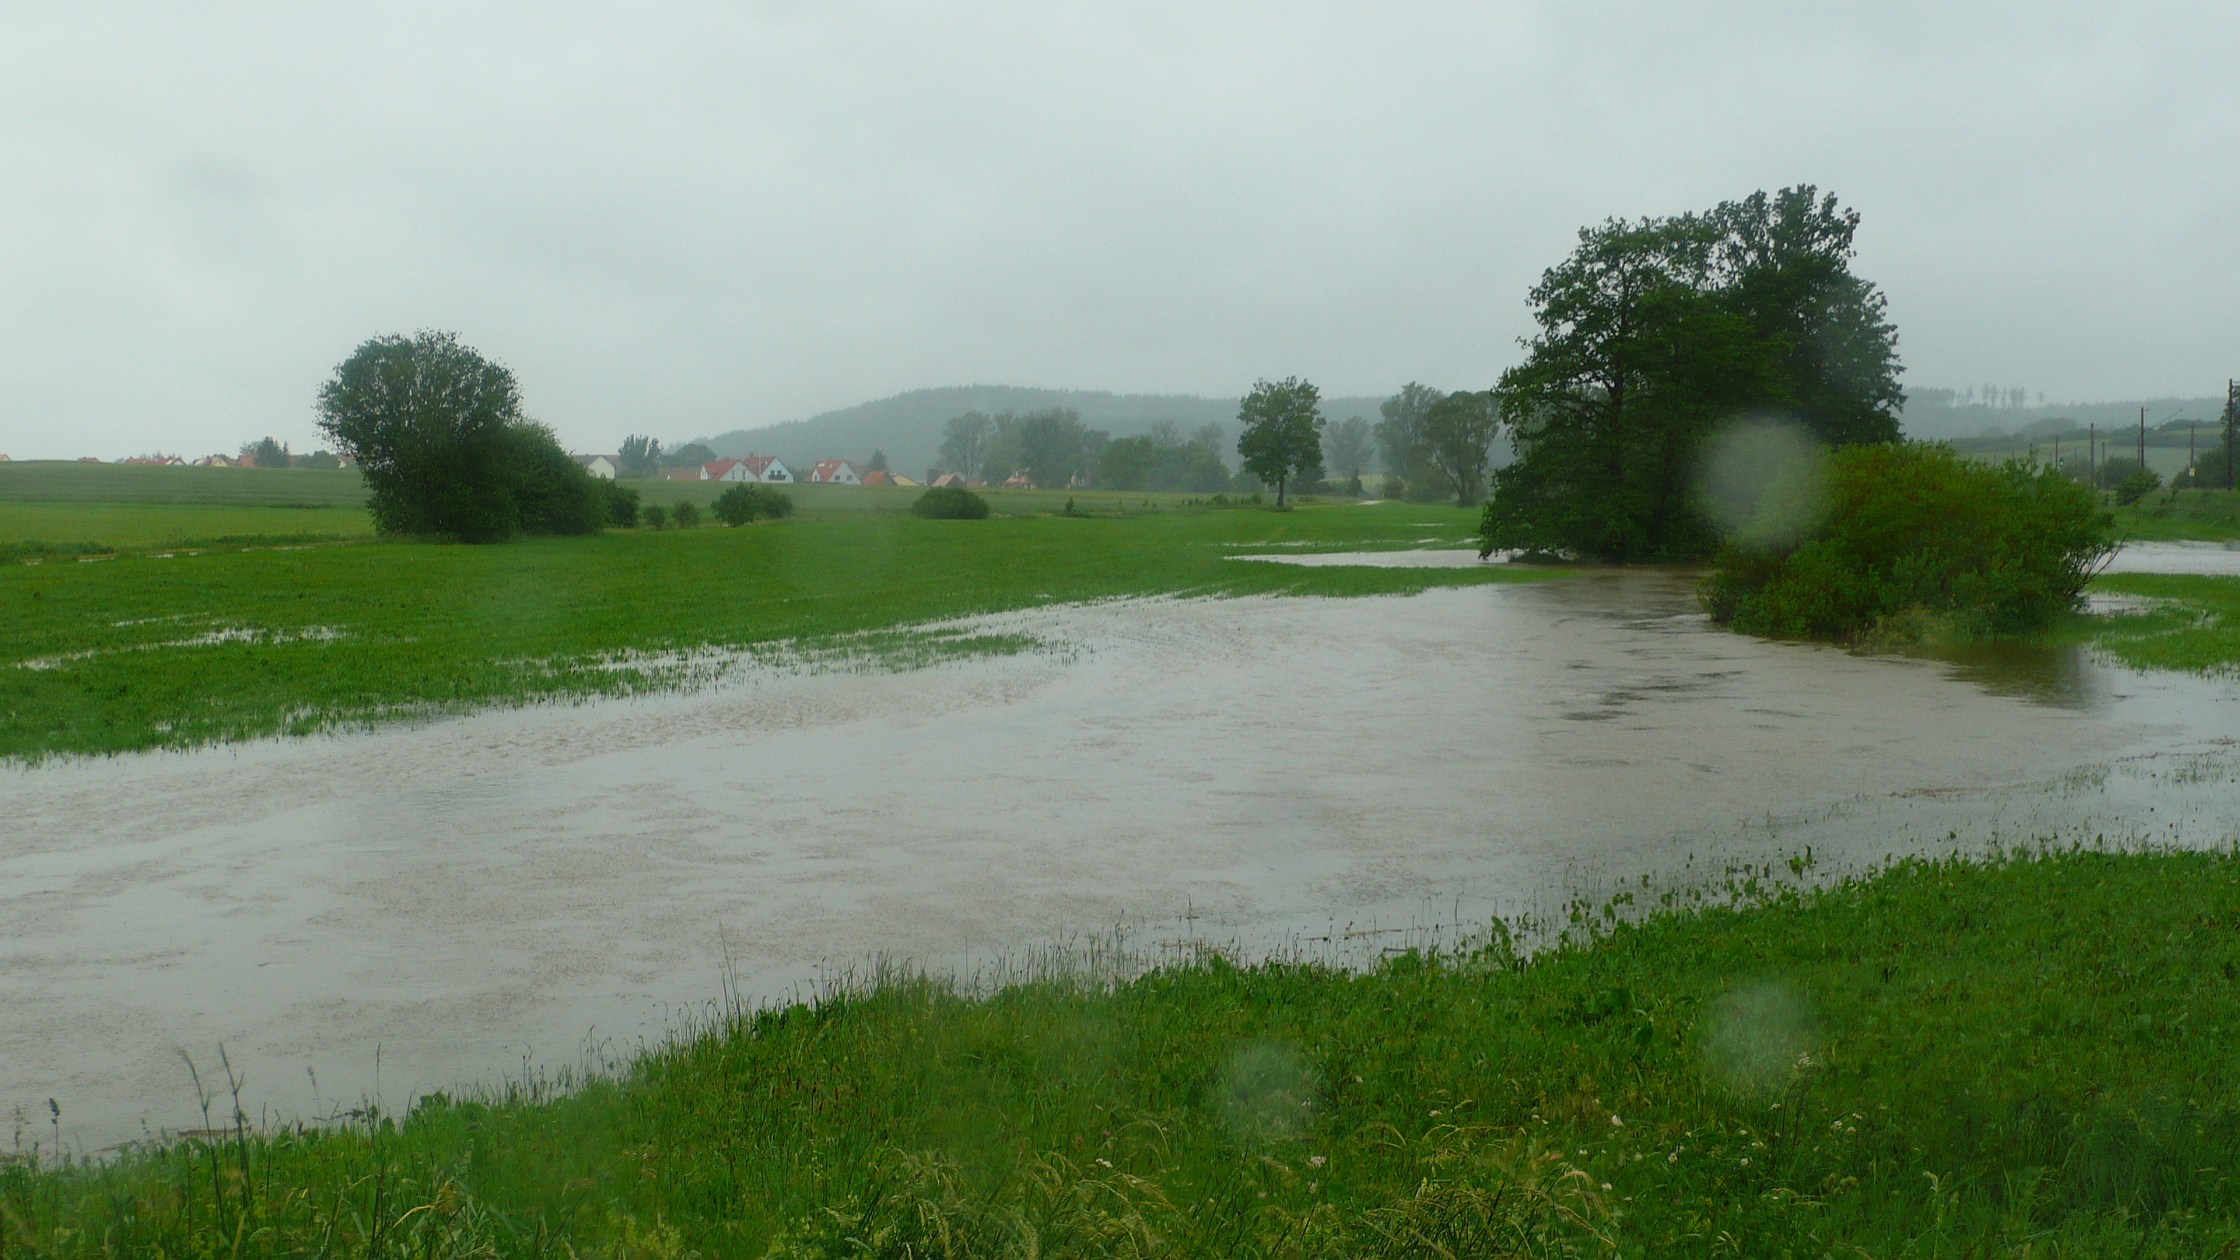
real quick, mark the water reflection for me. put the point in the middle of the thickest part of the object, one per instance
(2058, 675)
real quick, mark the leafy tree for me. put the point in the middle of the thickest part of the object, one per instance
(656, 515)
(1282, 433)
(321, 459)
(1655, 333)
(686, 514)
(2141, 483)
(964, 442)
(1345, 448)
(438, 433)
(877, 463)
(1128, 463)
(745, 501)
(690, 455)
(1144, 463)
(1403, 452)
(269, 453)
(1458, 435)
(1054, 447)
(641, 456)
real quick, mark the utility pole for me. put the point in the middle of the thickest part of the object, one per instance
(2092, 453)
(2142, 437)
(2231, 423)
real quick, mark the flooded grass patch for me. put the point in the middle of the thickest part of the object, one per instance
(348, 636)
(1946, 1057)
(2188, 623)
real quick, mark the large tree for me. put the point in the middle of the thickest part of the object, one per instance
(1345, 448)
(440, 438)
(1654, 334)
(1459, 431)
(1402, 451)
(964, 442)
(1282, 432)
(641, 457)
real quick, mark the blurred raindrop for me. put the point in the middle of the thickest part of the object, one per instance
(1761, 482)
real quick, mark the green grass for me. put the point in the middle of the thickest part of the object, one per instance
(2194, 624)
(2022, 1056)
(2207, 515)
(148, 650)
(56, 528)
(47, 482)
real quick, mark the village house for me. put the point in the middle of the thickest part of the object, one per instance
(1017, 481)
(604, 467)
(725, 470)
(768, 468)
(835, 472)
(946, 480)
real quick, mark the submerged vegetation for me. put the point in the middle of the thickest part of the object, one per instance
(2187, 623)
(1906, 542)
(1949, 1058)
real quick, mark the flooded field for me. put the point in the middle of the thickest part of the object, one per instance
(382, 914)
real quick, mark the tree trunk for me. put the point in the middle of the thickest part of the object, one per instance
(1280, 483)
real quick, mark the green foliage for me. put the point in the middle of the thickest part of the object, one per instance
(878, 462)
(1654, 334)
(641, 456)
(444, 449)
(1282, 437)
(2191, 623)
(1458, 433)
(2182, 514)
(952, 503)
(1148, 463)
(2024, 1056)
(655, 515)
(268, 452)
(746, 501)
(964, 443)
(1914, 540)
(2137, 485)
(1403, 451)
(621, 502)
(1347, 448)
(690, 455)
(686, 515)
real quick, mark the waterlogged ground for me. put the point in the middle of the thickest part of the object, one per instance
(377, 915)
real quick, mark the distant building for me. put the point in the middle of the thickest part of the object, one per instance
(682, 474)
(726, 470)
(835, 472)
(878, 477)
(604, 467)
(1018, 481)
(768, 468)
(946, 480)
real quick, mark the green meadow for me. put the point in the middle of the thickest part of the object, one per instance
(178, 646)
(2030, 1055)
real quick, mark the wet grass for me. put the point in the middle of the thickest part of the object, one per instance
(174, 650)
(2204, 515)
(2193, 624)
(2030, 1055)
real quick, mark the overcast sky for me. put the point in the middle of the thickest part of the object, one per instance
(688, 218)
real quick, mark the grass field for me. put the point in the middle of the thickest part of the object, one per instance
(2029, 1056)
(2194, 624)
(177, 649)
(2208, 515)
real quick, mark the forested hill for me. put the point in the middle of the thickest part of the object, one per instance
(1939, 414)
(908, 426)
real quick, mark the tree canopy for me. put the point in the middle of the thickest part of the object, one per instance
(1458, 433)
(1282, 436)
(641, 456)
(1656, 332)
(440, 438)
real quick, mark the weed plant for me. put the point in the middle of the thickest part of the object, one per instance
(2029, 1055)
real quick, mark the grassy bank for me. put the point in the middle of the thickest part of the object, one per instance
(2193, 623)
(153, 649)
(2203, 515)
(2029, 1055)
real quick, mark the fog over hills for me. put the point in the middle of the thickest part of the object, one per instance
(908, 426)
(1936, 415)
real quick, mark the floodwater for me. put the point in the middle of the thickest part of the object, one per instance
(420, 908)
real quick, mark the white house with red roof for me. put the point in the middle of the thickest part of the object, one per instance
(835, 472)
(725, 470)
(768, 468)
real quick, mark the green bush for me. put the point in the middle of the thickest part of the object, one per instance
(622, 503)
(748, 502)
(1912, 540)
(2137, 485)
(656, 515)
(686, 515)
(951, 503)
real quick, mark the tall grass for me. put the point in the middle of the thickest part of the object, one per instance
(2030, 1055)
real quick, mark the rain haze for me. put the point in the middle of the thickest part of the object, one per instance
(708, 217)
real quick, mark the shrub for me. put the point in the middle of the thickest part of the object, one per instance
(746, 502)
(622, 503)
(656, 515)
(1394, 487)
(2138, 485)
(686, 515)
(951, 503)
(1912, 539)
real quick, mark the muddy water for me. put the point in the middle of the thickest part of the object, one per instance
(464, 897)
